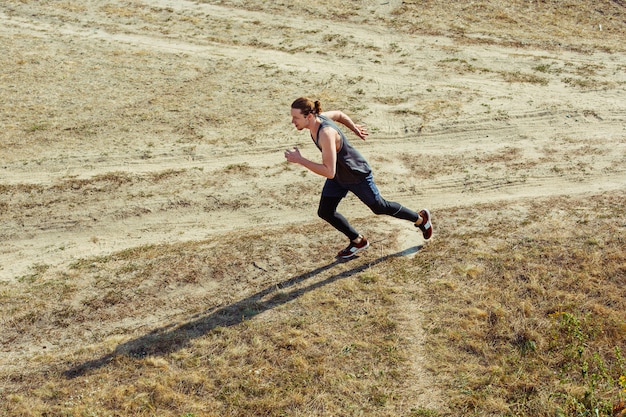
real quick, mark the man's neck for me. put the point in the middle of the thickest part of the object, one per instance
(314, 126)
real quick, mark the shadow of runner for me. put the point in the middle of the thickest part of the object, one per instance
(170, 338)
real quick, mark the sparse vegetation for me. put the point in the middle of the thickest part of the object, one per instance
(537, 327)
(574, 25)
(525, 321)
(517, 77)
(170, 261)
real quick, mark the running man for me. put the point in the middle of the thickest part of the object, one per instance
(345, 170)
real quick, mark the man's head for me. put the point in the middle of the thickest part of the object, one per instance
(303, 111)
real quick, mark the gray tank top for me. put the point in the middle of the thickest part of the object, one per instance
(352, 167)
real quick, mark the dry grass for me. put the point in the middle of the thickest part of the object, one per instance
(524, 316)
(527, 313)
(248, 343)
(575, 25)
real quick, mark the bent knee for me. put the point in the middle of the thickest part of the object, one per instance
(325, 214)
(378, 210)
(384, 207)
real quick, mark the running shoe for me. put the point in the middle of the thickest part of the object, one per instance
(426, 227)
(353, 248)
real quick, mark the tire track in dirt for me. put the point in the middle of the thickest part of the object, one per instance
(463, 137)
(448, 130)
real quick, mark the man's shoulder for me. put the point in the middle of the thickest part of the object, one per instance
(331, 114)
(328, 129)
(328, 121)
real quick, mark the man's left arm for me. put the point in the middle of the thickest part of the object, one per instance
(344, 119)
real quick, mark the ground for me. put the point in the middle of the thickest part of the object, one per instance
(134, 123)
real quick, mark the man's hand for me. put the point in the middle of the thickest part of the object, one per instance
(293, 155)
(361, 131)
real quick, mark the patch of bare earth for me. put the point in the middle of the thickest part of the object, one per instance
(160, 257)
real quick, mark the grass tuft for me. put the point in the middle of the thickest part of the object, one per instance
(528, 322)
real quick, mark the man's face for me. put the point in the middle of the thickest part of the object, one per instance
(298, 119)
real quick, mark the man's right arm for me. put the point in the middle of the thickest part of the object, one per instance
(329, 156)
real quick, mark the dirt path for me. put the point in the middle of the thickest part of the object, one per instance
(451, 124)
(126, 124)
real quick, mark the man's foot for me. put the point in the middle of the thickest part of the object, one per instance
(425, 226)
(353, 248)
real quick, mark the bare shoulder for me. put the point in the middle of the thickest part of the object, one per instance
(327, 131)
(333, 114)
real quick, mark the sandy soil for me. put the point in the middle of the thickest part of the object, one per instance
(128, 123)
(132, 123)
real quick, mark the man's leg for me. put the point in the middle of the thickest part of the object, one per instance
(368, 193)
(332, 194)
(327, 210)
